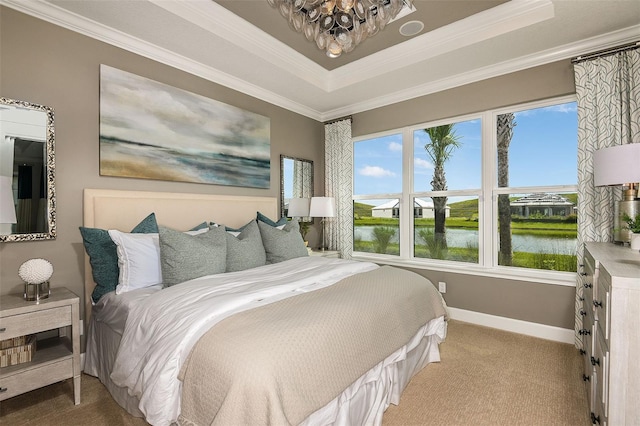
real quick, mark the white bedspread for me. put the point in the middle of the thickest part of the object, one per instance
(161, 331)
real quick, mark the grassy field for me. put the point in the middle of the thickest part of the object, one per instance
(463, 215)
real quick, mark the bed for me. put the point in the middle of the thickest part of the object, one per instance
(293, 342)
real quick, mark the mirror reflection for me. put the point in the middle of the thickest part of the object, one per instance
(296, 181)
(27, 170)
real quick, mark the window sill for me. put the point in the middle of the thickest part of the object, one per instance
(519, 274)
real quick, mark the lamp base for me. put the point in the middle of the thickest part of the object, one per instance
(36, 292)
(620, 233)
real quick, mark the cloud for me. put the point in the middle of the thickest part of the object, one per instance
(375, 171)
(419, 162)
(395, 146)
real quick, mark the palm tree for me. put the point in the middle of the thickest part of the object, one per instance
(443, 142)
(505, 125)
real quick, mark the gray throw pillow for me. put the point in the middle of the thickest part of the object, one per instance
(246, 250)
(184, 257)
(282, 244)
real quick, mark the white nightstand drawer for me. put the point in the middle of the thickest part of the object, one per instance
(35, 378)
(34, 322)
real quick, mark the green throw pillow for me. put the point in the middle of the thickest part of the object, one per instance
(184, 257)
(245, 251)
(282, 244)
(264, 219)
(103, 255)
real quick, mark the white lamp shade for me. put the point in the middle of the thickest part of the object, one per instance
(322, 207)
(7, 206)
(298, 207)
(617, 165)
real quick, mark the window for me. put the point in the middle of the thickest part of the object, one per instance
(495, 190)
(447, 178)
(377, 178)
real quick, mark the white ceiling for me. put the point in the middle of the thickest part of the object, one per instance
(206, 39)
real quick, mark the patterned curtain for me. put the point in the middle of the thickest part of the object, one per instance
(608, 92)
(338, 160)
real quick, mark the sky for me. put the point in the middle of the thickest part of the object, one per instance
(543, 151)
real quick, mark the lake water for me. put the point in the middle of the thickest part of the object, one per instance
(469, 237)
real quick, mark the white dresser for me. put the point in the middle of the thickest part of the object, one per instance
(610, 277)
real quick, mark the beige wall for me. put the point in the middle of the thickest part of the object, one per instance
(528, 301)
(52, 66)
(48, 65)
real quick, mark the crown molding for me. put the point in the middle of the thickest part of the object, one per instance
(71, 21)
(567, 51)
(61, 17)
(217, 20)
(487, 24)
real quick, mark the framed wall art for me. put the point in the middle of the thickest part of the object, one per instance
(150, 130)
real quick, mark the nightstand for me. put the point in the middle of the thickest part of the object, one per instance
(55, 359)
(325, 253)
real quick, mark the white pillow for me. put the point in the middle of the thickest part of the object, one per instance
(138, 260)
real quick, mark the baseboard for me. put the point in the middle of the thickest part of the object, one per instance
(542, 331)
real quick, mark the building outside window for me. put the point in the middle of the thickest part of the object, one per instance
(496, 190)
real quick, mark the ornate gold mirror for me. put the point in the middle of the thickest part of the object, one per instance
(27, 172)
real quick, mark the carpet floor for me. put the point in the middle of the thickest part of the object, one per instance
(486, 377)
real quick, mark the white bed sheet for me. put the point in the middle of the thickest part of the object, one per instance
(148, 365)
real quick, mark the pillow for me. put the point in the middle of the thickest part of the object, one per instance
(202, 227)
(264, 219)
(282, 244)
(244, 248)
(103, 255)
(184, 257)
(138, 260)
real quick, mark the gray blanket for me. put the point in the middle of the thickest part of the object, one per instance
(279, 363)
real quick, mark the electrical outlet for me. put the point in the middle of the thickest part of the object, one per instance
(442, 287)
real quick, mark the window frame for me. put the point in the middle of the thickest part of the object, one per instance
(488, 243)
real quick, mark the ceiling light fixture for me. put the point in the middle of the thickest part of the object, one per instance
(338, 26)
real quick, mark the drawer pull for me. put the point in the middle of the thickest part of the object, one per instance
(594, 419)
(595, 361)
(584, 331)
(588, 285)
(582, 352)
(3, 329)
(586, 378)
(582, 312)
(3, 390)
(597, 304)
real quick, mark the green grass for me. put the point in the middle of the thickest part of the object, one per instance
(544, 261)
(533, 227)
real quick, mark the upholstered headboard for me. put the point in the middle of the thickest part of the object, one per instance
(122, 210)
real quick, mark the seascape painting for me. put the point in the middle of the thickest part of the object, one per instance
(150, 130)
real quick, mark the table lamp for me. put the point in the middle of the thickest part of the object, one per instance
(323, 207)
(620, 166)
(299, 207)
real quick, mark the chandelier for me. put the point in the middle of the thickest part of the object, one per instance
(338, 25)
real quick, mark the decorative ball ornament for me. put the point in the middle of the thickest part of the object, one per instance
(35, 271)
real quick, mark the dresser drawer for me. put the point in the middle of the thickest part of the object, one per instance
(602, 303)
(600, 362)
(588, 331)
(35, 378)
(589, 275)
(34, 322)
